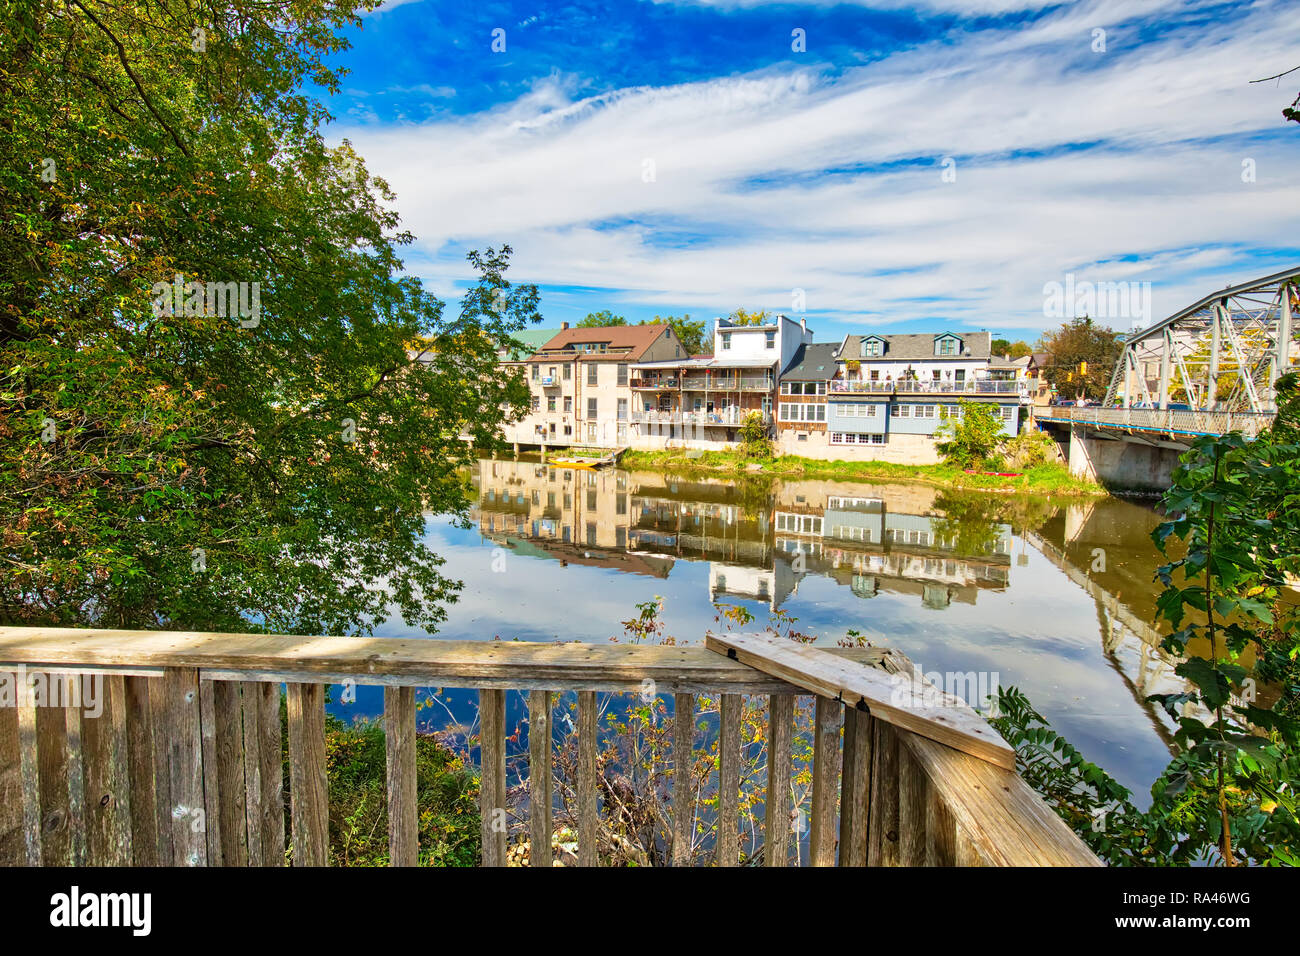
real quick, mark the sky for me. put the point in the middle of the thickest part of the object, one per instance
(874, 165)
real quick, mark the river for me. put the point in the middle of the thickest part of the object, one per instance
(1054, 597)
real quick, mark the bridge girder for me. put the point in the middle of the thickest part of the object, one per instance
(1247, 332)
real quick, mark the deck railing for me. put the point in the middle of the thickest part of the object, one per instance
(182, 765)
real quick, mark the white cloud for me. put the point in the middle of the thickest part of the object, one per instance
(561, 179)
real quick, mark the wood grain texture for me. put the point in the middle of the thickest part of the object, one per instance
(229, 770)
(13, 848)
(184, 737)
(897, 698)
(492, 785)
(588, 797)
(56, 797)
(540, 788)
(391, 661)
(271, 752)
(160, 712)
(882, 830)
(780, 738)
(146, 846)
(399, 747)
(107, 778)
(826, 777)
(29, 759)
(855, 798)
(211, 785)
(912, 798)
(308, 784)
(728, 848)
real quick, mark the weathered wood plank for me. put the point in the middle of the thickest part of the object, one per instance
(728, 848)
(76, 785)
(683, 764)
(896, 698)
(826, 776)
(996, 811)
(392, 661)
(912, 798)
(184, 735)
(13, 848)
(855, 798)
(882, 831)
(107, 778)
(399, 746)
(308, 783)
(588, 798)
(146, 849)
(271, 749)
(160, 717)
(211, 786)
(52, 744)
(231, 794)
(250, 701)
(539, 779)
(940, 832)
(29, 757)
(492, 780)
(780, 766)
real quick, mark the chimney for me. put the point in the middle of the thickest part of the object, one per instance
(803, 323)
(564, 326)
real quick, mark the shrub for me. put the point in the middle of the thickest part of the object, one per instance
(972, 437)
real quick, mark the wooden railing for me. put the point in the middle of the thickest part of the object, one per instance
(182, 765)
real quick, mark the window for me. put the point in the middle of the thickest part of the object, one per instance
(785, 388)
(622, 374)
(591, 373)
(537, 372)
(622, 409)
(872, 347)
(537, 403)
(796, 412)
(770, 340)
(857, 438)
(902, 411)
(568, 403)
(591, 408)
(926, 411)
(726, 341)
(1008, 413)
(946, 346)
(551, 376)
(591, 433)
(550, 403)
(568, 371)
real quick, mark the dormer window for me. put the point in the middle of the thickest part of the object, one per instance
(947, 345)
(873, 347)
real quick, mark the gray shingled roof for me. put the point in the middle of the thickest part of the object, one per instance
(812, 363)
(975, 345)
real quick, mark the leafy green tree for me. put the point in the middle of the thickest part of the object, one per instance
(741, 317)
(1015, 350)
(601, 319)
(754, 440)
(971, 437)
(170, 460)
(1075, 343)
(691, 333)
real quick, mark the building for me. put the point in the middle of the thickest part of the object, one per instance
(701, 401)
(580, 384)
(801, 400)
(891, 392)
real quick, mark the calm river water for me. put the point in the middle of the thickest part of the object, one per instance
(1055, 598)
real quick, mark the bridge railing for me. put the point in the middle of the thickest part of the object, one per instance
(1169, 421)
(181, 760)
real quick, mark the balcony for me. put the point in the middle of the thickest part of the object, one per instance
(727, 383)
(969, 387)
(655, 383)
(549, 381)
(729, 417)
(878, 388)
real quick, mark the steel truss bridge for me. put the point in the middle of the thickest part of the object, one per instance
(1221, 354)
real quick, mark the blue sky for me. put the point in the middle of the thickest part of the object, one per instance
(660, 158)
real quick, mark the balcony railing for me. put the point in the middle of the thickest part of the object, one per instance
(930, 387)
(658, 383)
(190, 730)
(728, 416)
(727, 383)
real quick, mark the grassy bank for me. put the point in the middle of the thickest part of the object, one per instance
(1052, 478)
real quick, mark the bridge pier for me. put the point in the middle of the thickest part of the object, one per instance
(1122, 462)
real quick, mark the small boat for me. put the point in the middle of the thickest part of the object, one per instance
(588, 463)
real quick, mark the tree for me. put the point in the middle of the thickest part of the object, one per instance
(1077, 342)
(754, 440)
(691, 334)
(741, 317)
(224, 405)
(971, 437)
(601, 319)
(1015, 350)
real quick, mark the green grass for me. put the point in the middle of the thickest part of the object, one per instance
(1051, 478)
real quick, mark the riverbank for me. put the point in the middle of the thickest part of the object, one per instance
(1052, 478)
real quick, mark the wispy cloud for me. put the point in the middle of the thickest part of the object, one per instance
(734, 190)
